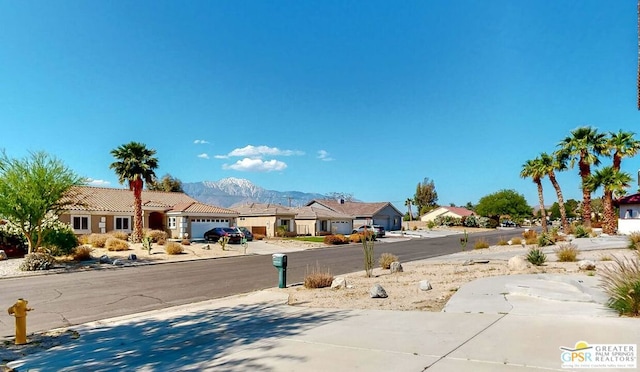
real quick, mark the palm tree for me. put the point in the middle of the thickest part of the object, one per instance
(584, 145)
(549, 165)
(622, 145)
(135, 164)
(535, 170)
(611, 181)
(407, 204)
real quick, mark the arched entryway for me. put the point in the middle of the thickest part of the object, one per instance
(156, 221)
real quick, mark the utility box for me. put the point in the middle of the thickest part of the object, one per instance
(280, 263)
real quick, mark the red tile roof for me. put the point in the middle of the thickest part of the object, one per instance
(460, 211)
(629, 199)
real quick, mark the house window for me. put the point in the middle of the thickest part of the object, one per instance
(80, 223)
(122, 223)
(172, 223)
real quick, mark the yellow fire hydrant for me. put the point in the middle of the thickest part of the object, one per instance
(19, 310)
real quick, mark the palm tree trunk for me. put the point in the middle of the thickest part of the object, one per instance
(543, 213)
(610, 220)
(563, 212)
(136, 185)
(585, 172)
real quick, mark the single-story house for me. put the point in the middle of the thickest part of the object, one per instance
(455, 212)
(629, 214)
(314, 220)
(101, 209)
(382, 213)
(265, 219)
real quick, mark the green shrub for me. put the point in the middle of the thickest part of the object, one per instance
(98, 240)
(386, 259)
(173, 248)
(471, 221)
(481, 244)
(567, 253)
(545, 240)
(37, 261)
(119, 235)
(536, 256)
(60, 241)
(581, 232)
(82, 253)
(634, 240)
(621, 281)
(335, 239)
(115, 244)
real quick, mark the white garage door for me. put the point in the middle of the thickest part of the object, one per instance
(199, 226)
(341, 227)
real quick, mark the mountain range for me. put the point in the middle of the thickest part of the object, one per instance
(232, 191)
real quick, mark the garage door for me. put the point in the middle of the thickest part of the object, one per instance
(341, 227)
(199, 226)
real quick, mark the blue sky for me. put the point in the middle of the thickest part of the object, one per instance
(361, 97)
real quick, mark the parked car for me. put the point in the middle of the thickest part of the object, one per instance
(375, 229)
(216, 233)
(247, 234)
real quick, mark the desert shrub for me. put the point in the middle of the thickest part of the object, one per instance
(606, 257)
(157, 235)
(82, 253)
(531, 241)
(37, 261)
(98, 240)
(386, 259)
(317, 278)
(567, 253)
(173, 248)
(335, 239)
(355, 238)
(430, 225)
(115, 244)
(529, 234)
(258, 236)
(516, 240)
(621, 282)
(502, 241)
(581, 232)
(481, 244)
(60, 241)
(119, 235)
(634, 240)
(185, 242)
(492, 223)
(471, 221)
(83, 239)
(545, 240)
(536, 256)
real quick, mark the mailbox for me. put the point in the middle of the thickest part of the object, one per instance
(280, 263)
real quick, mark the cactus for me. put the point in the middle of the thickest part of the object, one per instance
(464, 240)
(223, 242)
(147, 242)
(368, 241)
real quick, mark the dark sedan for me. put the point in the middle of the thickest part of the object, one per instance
(247, 234)
(216, 233)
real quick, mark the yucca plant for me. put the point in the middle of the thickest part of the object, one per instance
(536, 256)
(621, 281)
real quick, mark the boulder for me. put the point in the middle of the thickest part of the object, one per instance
(117, 262)
(468, 262)
(518, 263)
(586, 265)
(105, 259)
(424, 285)
(395, 267)
(3, 255)
(378, 292)
(339, 283)
(132, 257)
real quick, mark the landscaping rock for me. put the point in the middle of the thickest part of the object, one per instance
(132, 257)
(586, 265)
(378, 292)
(105, 259)
(424, 285)
(468, 262)
(518, 263)
(3, 255)
(396, 267)
(339, 283)
(117, 262)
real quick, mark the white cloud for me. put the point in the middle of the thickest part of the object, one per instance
(221, 156)
(200, 142)
(204, 155)
(92, 182)
(256, 165)
(324, 156)
(260, 151)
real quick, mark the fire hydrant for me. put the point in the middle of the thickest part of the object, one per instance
(19, 310)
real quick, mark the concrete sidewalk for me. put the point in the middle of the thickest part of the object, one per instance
(513, 323)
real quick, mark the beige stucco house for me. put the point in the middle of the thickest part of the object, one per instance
(100, 210)
(265, 219)
(381, 213)
(316, 220)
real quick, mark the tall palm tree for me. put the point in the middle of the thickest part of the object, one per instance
(533, 169)
(621, 145)
(135, 164)
(407, 204)
(550, 164)
(583, 146)
(611, 181)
